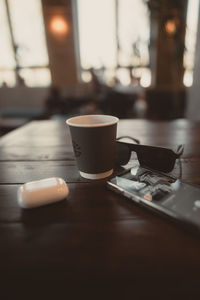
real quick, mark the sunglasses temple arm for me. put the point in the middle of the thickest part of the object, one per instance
(180, 150)
(128, 137)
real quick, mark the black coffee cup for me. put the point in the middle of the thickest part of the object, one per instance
(94, 139)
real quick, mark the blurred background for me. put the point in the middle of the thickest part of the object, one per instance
(128, 58)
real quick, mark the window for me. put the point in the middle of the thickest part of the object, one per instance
(114, 37)
(97, 33)
(190, 41)
(23, 53)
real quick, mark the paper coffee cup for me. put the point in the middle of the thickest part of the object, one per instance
(94, 140)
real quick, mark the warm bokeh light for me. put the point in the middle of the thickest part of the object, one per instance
(58, 25)
(170, 27)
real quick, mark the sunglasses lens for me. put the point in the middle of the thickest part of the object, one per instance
(159, 159)
(122, 154)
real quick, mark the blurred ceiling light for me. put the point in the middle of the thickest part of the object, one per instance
(170, 27)
(59, 26)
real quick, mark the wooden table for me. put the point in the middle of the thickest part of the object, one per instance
(95, 244)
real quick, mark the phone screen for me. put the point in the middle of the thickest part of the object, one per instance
(160, 191)
(148, 184)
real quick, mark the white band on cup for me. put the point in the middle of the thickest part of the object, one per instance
(96, 176)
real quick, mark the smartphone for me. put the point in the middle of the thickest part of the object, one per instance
(161, 193)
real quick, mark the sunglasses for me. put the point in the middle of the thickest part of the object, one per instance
(153, 157)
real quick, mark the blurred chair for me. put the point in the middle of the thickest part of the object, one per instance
(165, 103)
(119, 104)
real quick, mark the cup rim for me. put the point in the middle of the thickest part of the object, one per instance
(108, 120)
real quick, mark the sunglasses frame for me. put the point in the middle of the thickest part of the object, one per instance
(138, 148)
